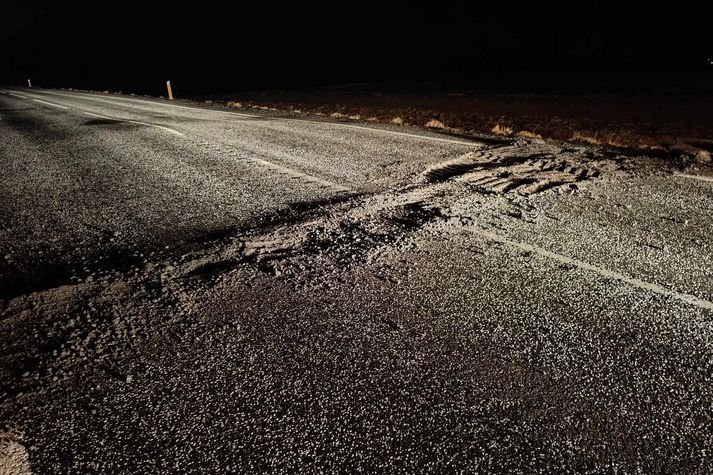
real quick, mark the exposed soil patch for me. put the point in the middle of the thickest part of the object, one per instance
(313, 246)
(526, 173)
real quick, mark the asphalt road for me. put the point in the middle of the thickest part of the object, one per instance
(190, 289)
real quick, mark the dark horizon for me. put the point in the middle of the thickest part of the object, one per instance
(454, 44)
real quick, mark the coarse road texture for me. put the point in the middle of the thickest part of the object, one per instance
(194, 290)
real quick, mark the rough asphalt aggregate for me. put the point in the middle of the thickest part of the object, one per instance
(187, 289)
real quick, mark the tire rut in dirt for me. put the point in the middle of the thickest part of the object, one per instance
(525, 168)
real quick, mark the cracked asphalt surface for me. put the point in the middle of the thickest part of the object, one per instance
(189, 289)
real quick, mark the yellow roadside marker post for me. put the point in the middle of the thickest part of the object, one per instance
(170, 92)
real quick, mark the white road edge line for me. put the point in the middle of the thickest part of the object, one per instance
(166, 129)
(169, 130)
(16, 94)
(405, 134)
(91, 114)
(175, 132)
(694, 177)
(336, 124)
(50, 104)
(687, 298)
(337, 187)
(130, 99)
(294, 173)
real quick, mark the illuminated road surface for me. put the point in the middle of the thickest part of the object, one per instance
(190, 289)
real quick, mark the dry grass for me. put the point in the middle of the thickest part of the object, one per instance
(651, 147)
(435, 124)
(528, 135)
(536, 128)
(580, 137)
(621, 141)
(501, 130)
(703, 156)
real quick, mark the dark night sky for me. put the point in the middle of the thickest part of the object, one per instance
(206, 46)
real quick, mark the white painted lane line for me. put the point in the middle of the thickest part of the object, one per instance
(273, 166)
(403, 134)
(297, 174)
(110, 99)
(50, 104)
(694, 177)
(166, 129)
(156, 126)
(171, 131)
(334, 124)
(91, 114)
(687, 298)
(37, 100)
